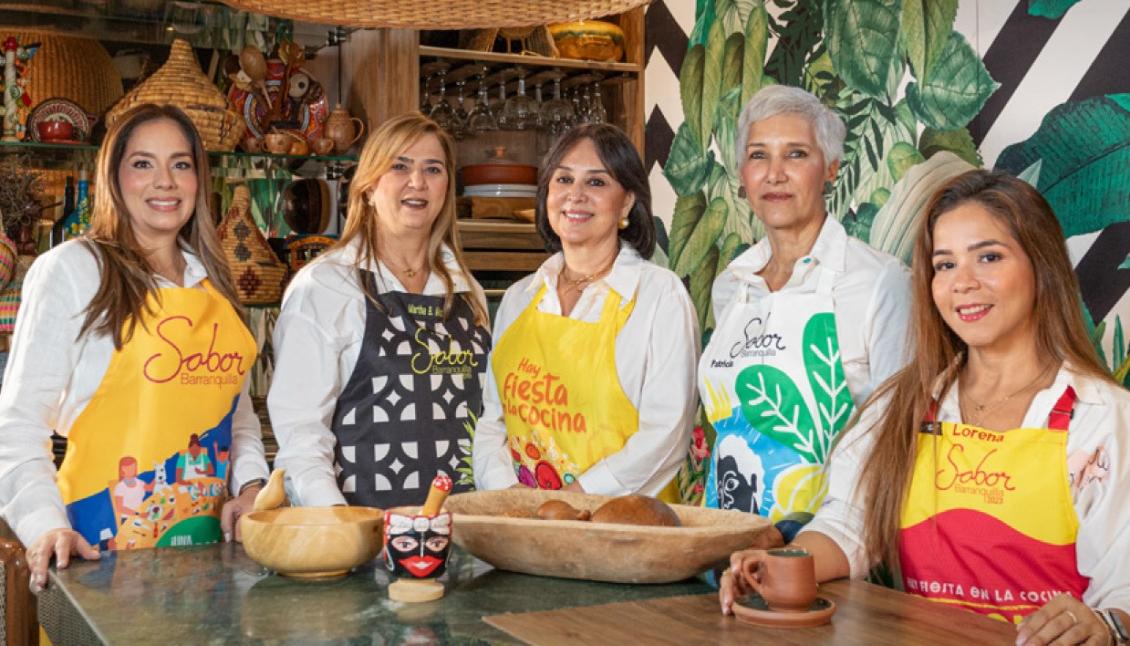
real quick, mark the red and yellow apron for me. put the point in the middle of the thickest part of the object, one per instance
(989, 524)
(148, 458)
(564, 406)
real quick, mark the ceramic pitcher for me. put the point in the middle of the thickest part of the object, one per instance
(344, 129)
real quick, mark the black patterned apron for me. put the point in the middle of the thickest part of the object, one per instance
(412, 400)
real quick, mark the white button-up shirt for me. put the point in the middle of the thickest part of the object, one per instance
(317, 342)
(52, 375)
(656, 355)
(871, 300)
(1098, 465)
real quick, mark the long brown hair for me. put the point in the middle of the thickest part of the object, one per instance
(939, 354)
(377, 156)
(126, 279)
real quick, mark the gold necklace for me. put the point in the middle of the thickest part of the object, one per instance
(579, 284)
(979, 408)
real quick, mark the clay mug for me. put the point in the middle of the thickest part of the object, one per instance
(252, 145)
(277, 142)
(416, 545)
(322, 146)
(299, 147)
(340, 127)
(786, 579)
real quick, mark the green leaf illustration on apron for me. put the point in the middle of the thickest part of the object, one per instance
(773, 404)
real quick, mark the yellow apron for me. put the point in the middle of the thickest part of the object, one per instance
(989, 524)
(148, 458)
(564, 406)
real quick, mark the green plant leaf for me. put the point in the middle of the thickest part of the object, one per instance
(834, 406)
(901, 157)
(957, 141)
(1049, 8)
(702, 239)
(711, 80)
(690, 86)
(774, 406)
(732, 247)
(732, 61)
(956, 89)
(1084, 152)
(753, 55)
(687, 166)
(688, 211)
(701, 282)
(926, 26)
(862, 39)
(1118, 343)
(1125, 263)
(858, 223)
(726, 128)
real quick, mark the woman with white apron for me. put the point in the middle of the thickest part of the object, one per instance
(382, 341)
(991, 474)
(130, 343)
(809, 320)
(591, 386)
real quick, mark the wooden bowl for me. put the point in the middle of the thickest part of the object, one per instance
(312, 542)
(574, 549)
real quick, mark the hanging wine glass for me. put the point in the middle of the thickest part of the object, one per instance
(430, 71)
(461, 113)
(519, 111)
(442, 112)
(481, 119)
(499, 108)
(557, 114)
(597, 113)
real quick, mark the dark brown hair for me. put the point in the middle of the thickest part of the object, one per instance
(126, 279)
(380, 151)
(622, 162)
(939, 354)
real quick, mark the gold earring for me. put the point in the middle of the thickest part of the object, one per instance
(623, 224)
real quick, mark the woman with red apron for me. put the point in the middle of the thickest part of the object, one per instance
(989, 475)
(382, 342)
(130, 343)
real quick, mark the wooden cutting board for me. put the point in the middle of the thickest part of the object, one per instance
(865, 614)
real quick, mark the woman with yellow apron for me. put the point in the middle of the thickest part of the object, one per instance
(129, 343)
(990, 475)
(591, 380)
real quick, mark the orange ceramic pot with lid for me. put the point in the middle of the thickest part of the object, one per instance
(498, 169)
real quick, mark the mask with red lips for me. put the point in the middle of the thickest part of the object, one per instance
(416, 546)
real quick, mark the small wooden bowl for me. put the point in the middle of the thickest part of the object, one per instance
(313, 542)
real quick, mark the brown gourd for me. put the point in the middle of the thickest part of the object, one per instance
(636, 509)
(560, 510)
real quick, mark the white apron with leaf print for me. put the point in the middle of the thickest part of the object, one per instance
(773, 386)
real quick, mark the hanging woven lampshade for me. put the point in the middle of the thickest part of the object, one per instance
(181, 82)
(452, 14)
(66, 67)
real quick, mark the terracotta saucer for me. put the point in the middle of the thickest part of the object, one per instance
(752, 609)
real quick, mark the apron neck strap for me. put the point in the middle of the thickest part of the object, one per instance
(1058, 419)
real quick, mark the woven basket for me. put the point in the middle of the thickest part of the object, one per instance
(257, 271)
(7, 260)
(452, 14)
(180, 82)
(77, 69)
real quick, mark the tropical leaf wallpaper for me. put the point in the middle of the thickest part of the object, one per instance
(928, 89)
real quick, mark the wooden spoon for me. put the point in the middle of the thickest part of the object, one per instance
(273, 495)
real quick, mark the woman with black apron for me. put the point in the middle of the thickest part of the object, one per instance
(382, 340)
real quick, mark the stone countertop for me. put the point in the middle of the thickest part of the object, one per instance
(217, 595)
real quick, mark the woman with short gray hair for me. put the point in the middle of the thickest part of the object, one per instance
(809, 319)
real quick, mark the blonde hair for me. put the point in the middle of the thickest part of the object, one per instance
(939, 353)
(377, 156)
(126, 279)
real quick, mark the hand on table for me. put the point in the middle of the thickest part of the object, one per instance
(1063, 621)
(59, 544)
(234, 508)
(740, 578)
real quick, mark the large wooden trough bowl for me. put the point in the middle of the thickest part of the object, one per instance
(312, 542)
(574, 549)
